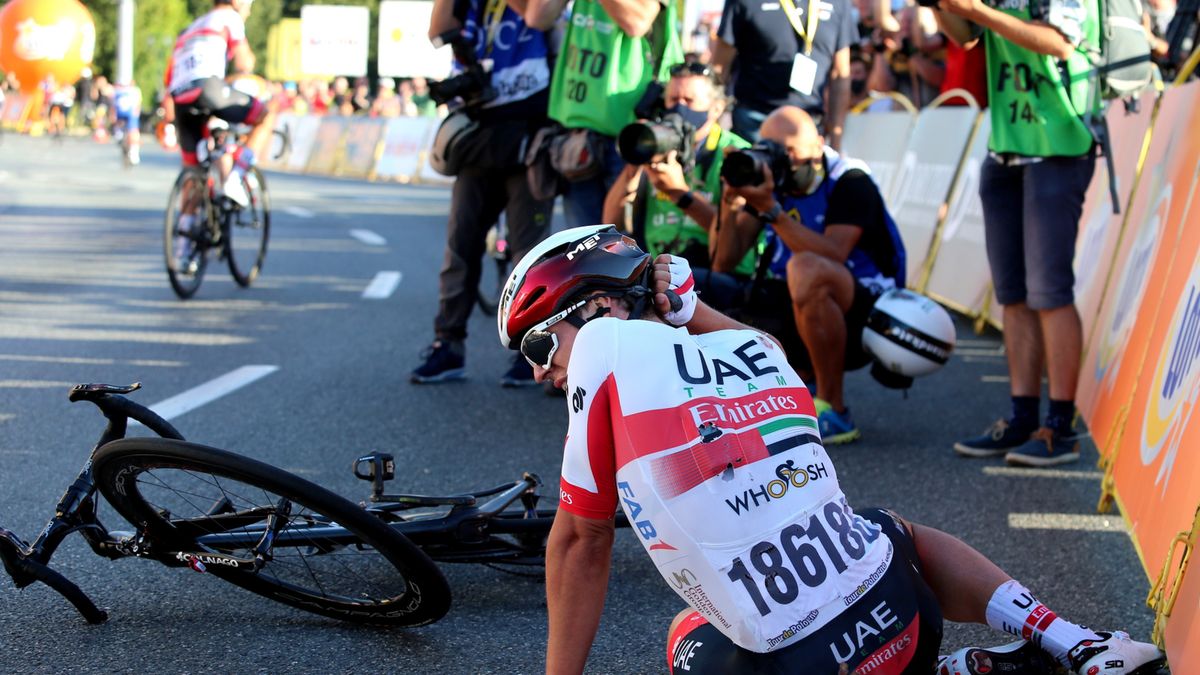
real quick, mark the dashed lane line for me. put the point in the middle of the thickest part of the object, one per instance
(1077, 522)
(210, 391)
(382, 286)
(368, 237)
(1022, 472)
(298, 211)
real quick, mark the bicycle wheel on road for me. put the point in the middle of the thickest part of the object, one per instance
(329, 556)
(185, 246)
(248, 230)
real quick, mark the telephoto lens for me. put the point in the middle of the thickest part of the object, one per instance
(745, 167)
(639, 143)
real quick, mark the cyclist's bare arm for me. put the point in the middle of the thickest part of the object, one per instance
(578, 557)
(243, 59)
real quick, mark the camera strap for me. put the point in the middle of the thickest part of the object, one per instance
(492, 14)
(807, 31)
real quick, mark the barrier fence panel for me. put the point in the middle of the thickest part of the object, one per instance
(1113, 365)
(961, 277)
(326, 153)
(304, 134)
(361, 143)
(277, 158)
(14, 108)
(875, 138)
(403, 140)
(926, 174)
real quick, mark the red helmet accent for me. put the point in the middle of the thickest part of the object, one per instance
(563, 267)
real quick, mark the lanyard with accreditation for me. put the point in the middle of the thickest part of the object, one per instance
(804, 68)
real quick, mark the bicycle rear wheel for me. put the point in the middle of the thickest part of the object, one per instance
(248, 230)
(185, 232)
(328, 556)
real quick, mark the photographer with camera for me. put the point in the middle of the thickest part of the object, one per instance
(671, 183)
(910, 61)
(613, 58)
(832, 249)
(501, 93)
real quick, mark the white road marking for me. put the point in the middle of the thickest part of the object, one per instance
(84, 360)
(994, 378)
(979, 352)
(1066, 521)
(368, 237)
(298, 211)
(210, 391)
(1022, 472)
(382, 286)
(34, 384)
(4, 417)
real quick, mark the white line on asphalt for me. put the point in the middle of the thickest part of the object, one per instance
(84, 360)
(1021, 472)
(979, 352)
(1066, 521)
(994, 378)
(34, 384)
(298, 211)
(368, 237)
(4, 417)
(382, 286)
(210, 391)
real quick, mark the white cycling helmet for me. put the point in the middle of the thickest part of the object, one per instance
(908, 335)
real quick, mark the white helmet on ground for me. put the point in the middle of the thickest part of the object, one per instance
(908, 335)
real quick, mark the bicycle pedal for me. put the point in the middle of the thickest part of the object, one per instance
(380, 466)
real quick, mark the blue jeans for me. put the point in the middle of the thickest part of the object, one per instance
(583, 202)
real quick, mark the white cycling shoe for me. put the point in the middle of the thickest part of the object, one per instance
(1115, 654)
(1019, 657)
(235, 190)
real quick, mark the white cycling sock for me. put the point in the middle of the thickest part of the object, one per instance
(1013, 609)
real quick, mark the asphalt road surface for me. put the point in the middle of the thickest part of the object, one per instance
(84, 298)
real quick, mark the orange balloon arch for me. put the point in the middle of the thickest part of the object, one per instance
(41, 38)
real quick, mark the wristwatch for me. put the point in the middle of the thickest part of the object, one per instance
(765, 217)
(685, 200)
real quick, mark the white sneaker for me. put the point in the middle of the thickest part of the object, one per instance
(135, 157)
(1019, 657)
(1115, 654)
(235, 190)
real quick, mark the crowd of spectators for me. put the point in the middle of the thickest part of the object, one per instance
(408, 97)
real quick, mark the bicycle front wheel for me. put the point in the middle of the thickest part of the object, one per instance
(248, 229)
(319, 552)
(185, 230)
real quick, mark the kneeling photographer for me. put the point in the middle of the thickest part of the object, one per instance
(499, 99)
(831, 250)
(668, 192)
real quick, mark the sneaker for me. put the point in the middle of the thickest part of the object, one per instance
(996, 440)
(443, 363)
(1045, 448)
(1018, 657)
(1115, 654)
(836, 427)
(235, 190)
(520, 374)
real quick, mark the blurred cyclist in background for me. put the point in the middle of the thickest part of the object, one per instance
(127, 116)
(213, 45)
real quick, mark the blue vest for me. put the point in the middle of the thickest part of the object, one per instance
(810, 211)
(518, 53)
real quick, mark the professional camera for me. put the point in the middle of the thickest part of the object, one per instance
(649, 140)
(474, 84)
(745, 167)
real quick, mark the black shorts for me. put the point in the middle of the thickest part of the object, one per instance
(769, 309)
(210, 97)
(908, 644)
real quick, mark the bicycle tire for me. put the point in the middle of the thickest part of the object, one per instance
(161, 486)
(187, 247)
(254, 219)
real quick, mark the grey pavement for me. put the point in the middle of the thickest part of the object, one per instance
(83, 297)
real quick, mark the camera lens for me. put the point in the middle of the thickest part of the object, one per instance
(640, 142)
(742, 168)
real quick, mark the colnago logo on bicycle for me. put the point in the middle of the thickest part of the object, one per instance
(197, 561)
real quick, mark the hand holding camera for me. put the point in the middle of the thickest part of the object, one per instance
(666, 175)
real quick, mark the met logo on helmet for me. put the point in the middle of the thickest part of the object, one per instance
(585, 245)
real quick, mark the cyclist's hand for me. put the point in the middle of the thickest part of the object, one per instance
(672, 273)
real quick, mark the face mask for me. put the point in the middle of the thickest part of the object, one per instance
(857, 87)
(696, 118)
(807, 177)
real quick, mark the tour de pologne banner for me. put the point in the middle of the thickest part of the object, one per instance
(404, 46)
(334, 40)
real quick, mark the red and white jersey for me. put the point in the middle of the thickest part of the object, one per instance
(204, 49)
(710, 445)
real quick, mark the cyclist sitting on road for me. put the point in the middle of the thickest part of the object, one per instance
(127, 114)
(700, 430)
(196, 81)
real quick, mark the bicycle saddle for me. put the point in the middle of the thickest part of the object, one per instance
(91, 392)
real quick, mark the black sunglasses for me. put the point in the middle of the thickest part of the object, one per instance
(692, 68)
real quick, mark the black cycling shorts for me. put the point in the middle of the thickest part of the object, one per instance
(769, 309)
(895, 628)
(210, 97)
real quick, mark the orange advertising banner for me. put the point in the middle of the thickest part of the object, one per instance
(1112, 363)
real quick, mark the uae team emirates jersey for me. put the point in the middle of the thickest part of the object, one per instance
(709, 443)
(205, 47)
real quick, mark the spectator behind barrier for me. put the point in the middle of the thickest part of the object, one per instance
(496, 117)
(793, 52)
(611, 53)
(910, 60)
(831, 250)
(673, 207)
(1032, 185)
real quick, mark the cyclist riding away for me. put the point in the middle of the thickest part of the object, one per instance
(196, 81)
(699, 429)
(127, 115)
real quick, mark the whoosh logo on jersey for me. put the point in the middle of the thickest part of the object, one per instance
(789, 477)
